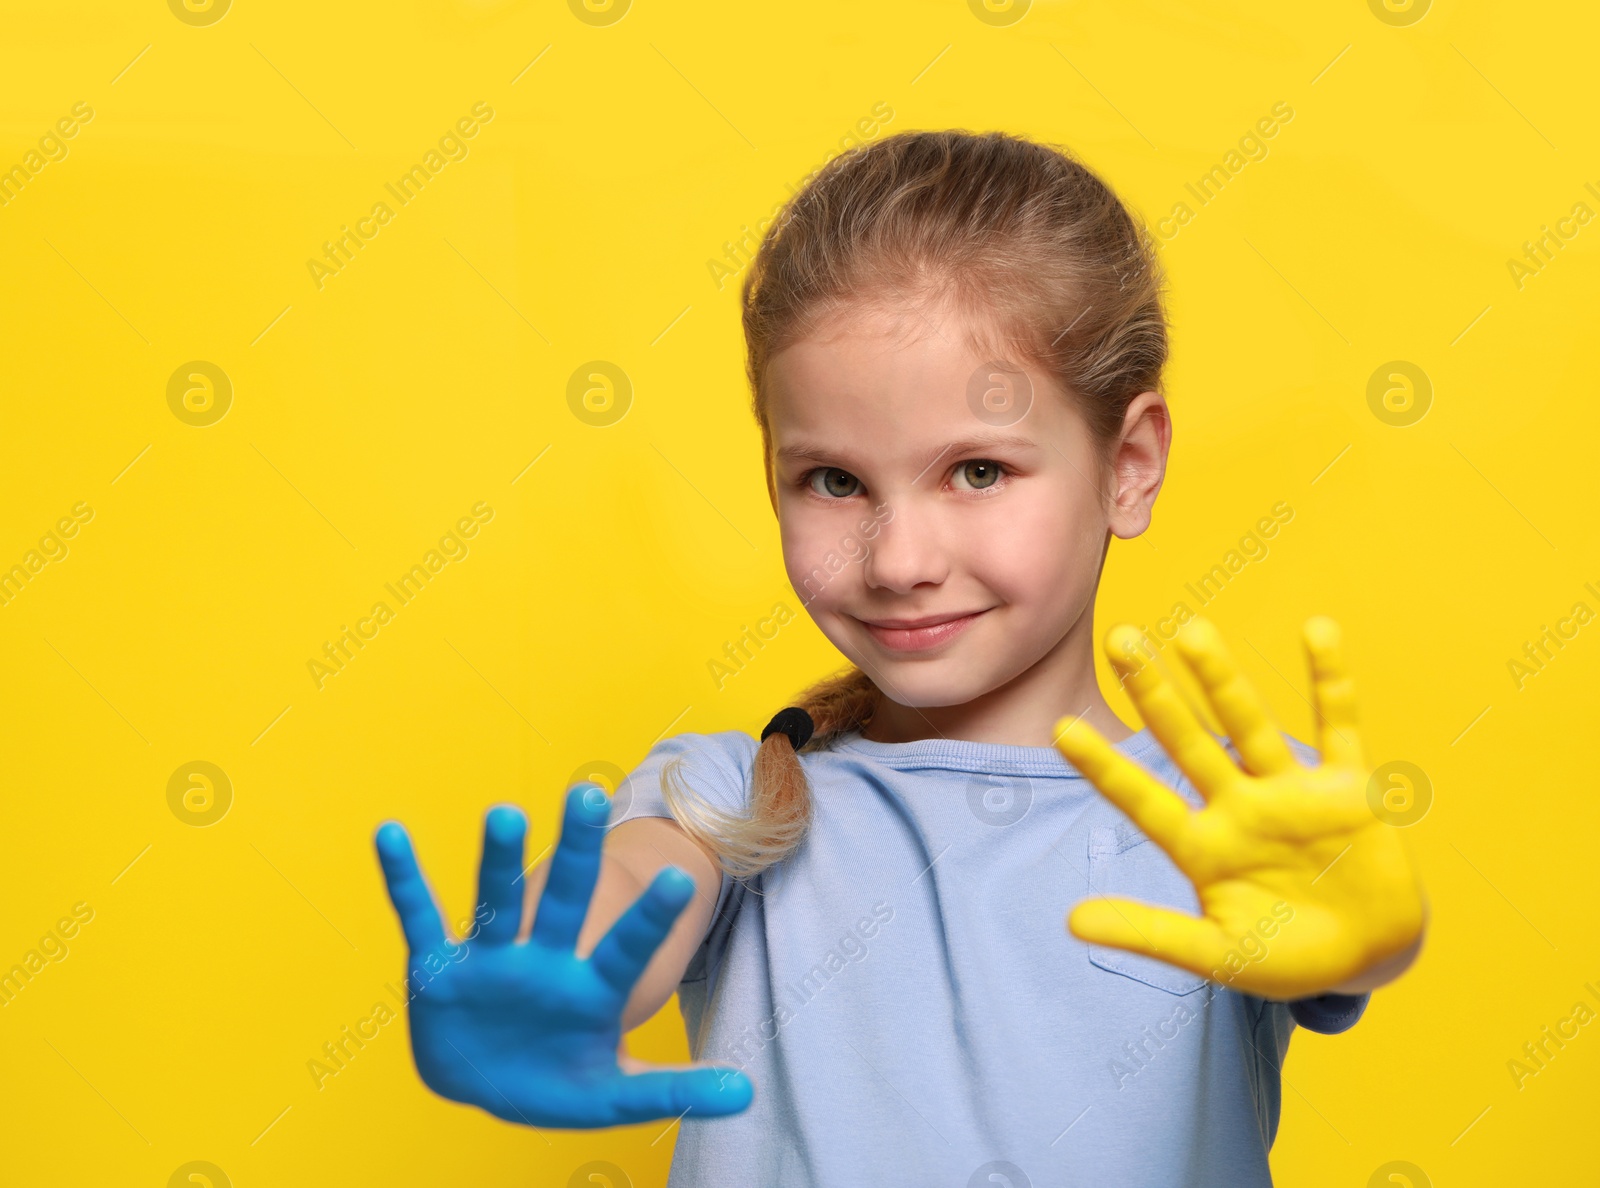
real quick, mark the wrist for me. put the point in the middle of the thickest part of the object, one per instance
(1390, 968)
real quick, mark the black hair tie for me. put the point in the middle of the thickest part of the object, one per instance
(794, 722)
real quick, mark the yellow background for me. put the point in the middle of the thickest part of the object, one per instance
(369, 415)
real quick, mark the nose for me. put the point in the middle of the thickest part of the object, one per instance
(907, 552)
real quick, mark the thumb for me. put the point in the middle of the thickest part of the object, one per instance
(669, 1093)
(1185, 941)
(632, 1064)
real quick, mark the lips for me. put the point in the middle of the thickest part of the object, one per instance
(919, 635)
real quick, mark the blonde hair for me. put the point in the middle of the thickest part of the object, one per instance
(1019, 234)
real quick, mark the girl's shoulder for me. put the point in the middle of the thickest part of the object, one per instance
(716, 766)
(733, 752)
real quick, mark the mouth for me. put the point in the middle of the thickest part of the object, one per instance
(920, 635)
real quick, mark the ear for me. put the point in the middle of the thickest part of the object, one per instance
(1139, 464)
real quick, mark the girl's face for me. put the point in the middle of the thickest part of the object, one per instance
(946, 543)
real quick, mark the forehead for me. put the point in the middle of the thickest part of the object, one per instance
(897, 375)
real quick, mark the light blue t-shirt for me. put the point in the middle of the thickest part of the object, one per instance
(905, 996)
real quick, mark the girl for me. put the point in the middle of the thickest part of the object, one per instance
(955, 349)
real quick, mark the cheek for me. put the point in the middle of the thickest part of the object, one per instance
(817, 565)
(1035, 554)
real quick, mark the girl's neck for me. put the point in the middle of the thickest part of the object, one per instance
(893, 723)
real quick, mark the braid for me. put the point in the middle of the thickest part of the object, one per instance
(838, 705)
(780, 797)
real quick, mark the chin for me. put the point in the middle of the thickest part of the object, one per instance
(926, 683)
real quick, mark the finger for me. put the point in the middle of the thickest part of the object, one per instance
(1192, 943)
(1238, 706)
(574, 869)
(1197, 754)
(701, 1093)
(1334, 693)
(500, 893)
(625, 950)
(1154, 808)
(629, 1064)
(413, 902)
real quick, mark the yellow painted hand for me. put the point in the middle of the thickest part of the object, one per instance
(1301, 887)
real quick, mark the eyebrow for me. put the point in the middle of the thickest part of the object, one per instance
(815, 453)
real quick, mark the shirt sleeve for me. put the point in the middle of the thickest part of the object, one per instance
(715, 767)
(1326, 1014)
(1329, 1014)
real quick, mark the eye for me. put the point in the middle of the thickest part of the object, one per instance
(977, 474)
(834, 484)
